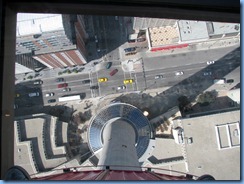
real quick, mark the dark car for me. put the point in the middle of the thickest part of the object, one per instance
(108, 65)
(59, 80)
(94, 87)
(113, 72)
(130, 49)
(230, 81)
(86, 81)
(64, 85)
(51, 101)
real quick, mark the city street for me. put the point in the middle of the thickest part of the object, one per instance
(192, 63)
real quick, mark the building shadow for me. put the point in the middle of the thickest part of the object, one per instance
(190, 87)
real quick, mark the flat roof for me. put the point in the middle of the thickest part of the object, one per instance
(34, 23)
(225, 28)
(192, 30)
(160, 36)
(206, 155)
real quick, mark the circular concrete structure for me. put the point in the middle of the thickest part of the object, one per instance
(123, 113)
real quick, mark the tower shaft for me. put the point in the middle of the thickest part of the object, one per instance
(119, 147)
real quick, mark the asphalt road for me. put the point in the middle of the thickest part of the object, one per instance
(191, 63)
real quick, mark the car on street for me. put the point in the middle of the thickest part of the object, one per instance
(86, 81)
(59, 80)
(34, 94)
(113, 72)
(104, 79)
(179, 73)
(130, 49)
(210, 62)
(108, 65)
(66, 89)
(121, 87)
(128, 81)
(64, 85)
(94, 87)
(49, 94)
(17, 95)
(208, 73)
(159, 76)
(38, 82)
(51, 101)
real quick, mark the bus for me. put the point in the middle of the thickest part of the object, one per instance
(71, 97)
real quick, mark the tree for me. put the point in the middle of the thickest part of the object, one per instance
(207, 97)
(184, 104)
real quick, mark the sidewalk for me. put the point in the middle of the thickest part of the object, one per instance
(53, 73)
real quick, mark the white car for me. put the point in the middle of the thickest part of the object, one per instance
(207, 73)
(179, 73)
(210, 62)
(33, 94)
(159, 77)
(49, 94)
(121, 87)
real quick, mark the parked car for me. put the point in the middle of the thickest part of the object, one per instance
(33, 94)
(108, 65)
(87, 81)
(62, 85)
(159, 77)
(130, 49)
(66, 89)
(38, 82)
(219, 81)
(51, 101)
(127, 81)
(49, 94)
(80, 70)
(210, 62)
(113, 72)
(121, 87)
(103, 79)
(94, 87)
(141, 39)
(59, 80)
(230, 81)
(130, 53)
(179, 73)
(207, 73)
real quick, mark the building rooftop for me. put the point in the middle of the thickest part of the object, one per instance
(37, 133)
(225, 28)
(215, 145)
(163, 36)
(192, 30)
(34, 23)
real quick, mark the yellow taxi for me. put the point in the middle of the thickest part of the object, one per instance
(128, 81)
(103, 79)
